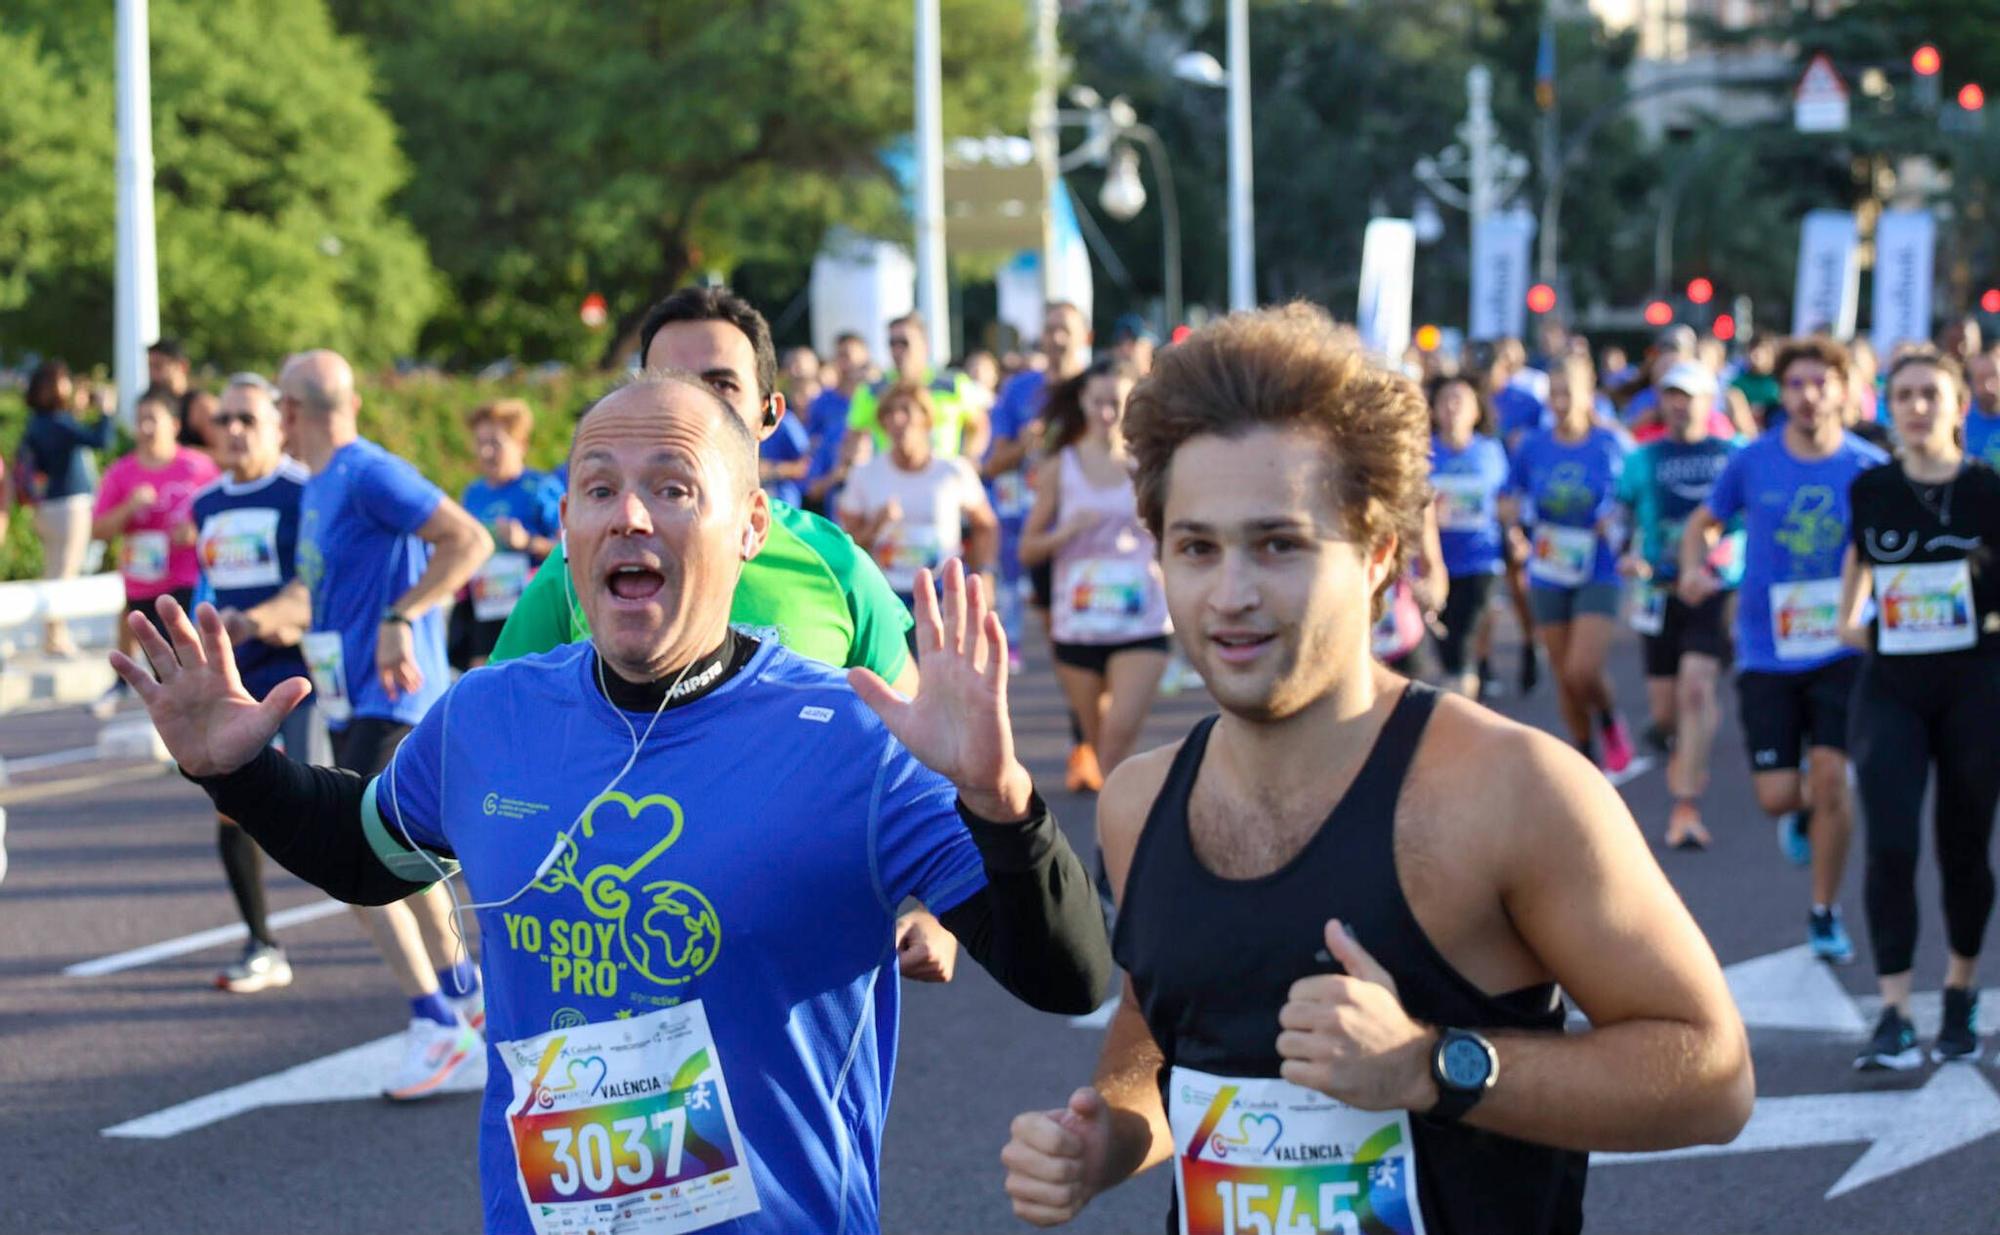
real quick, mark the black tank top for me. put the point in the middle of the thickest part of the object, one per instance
(1213, 959)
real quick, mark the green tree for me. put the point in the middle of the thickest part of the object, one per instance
(622, 146)
(273, 167)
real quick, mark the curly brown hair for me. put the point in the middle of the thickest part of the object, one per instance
(1292, 367)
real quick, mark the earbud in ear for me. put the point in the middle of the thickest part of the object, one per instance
(564, 537)
(770, 415)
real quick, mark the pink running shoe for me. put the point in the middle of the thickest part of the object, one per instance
(1617, 747)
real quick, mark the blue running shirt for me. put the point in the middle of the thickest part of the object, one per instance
(1982, 437)
(1795, 520)
(1469, 483)
(247, 541)
(749, 867)
(1570, 487)
(358, 553)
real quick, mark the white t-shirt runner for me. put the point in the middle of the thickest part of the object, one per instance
(933, 500)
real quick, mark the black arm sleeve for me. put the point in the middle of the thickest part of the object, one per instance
(1037, 926)
(309, 820)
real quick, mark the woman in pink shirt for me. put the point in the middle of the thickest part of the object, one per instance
(144, 503)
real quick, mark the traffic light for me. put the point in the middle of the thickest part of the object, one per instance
(1659, 313)
(1990, 301)
(1541, 298)
(1926, 61)
(1429, 338)
(1724, 328)
(1971, 96)
(1700, 291)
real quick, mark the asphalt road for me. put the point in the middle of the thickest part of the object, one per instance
(221, 1129)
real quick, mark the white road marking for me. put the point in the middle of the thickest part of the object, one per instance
(345, 1076)
(53, 759)
(1791, 989)
(197, 941)
(1903, 1129)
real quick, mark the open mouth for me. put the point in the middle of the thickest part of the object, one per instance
(635, 582)
(1237, 647)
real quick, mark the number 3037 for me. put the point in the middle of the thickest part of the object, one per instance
(586, 1158)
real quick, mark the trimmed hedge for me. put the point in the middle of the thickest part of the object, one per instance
(421, 418)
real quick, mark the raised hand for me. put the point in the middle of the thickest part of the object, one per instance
(209, 722)
(1347, 1036)
(1052, 1157)
(957, 724)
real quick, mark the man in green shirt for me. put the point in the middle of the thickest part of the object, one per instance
(810, 586)
(961, 426)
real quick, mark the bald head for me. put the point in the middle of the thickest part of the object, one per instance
(321, 382)
(672, 398)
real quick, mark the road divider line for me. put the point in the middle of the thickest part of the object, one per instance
(23, 794)
(196, 942)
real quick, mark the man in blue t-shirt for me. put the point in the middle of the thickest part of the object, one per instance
(248, 531)
(826, 423)
(1686, 646)
(511, 500)
(784, 457)
(1982, 420)
(689, 918)
(1795, 676)
(381, 552)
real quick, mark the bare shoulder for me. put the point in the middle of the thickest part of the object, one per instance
(1124, 804)
(1522, 785)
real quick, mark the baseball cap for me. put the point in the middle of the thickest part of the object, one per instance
(1689, 377)
(1133, 326)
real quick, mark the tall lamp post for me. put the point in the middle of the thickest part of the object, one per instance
(933, 299)
(1242, 211)
(1113, 129)
(1491, 172)
(137, 296)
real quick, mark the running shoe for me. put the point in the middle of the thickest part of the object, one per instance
(471, 1008)
(106, 704)
(1828, 938)
(1795, 837)
(431, 1054)
(1893, 1048)
(1617, 746)
(1083, 775)
(261, 967)
(1958, 1035)
(1659, 739)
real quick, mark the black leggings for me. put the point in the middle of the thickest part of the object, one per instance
(1907, 713)
(1464, 604)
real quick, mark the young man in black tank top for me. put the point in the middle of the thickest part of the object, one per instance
(1346, 906)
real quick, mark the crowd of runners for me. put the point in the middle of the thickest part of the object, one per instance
(788, 594)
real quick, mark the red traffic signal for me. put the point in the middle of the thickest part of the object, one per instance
(1659, 313)
(1724, 328)
(1971, 96)
(1701, 291)
(1926, 61)
(1991, 300)
(594, 311)
(1541, 298)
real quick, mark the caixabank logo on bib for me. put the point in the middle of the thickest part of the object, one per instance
(614, 929)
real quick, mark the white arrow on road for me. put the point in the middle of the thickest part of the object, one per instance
(1956, 1107)
(1792, 989)
(357, 1072)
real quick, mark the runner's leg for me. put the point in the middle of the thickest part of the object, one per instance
(1582, 670)
(1133, 679)
(1968, 792)
(1697, 714)
(1892, 752)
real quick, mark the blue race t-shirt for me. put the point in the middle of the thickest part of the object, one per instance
(524, 499)
(247, 542)
(826, 428)
(748, 885)
(1795, 520)
(1017, 406)
(1469, 483)
(1982, 437)
(1570, 487)
(1519, 413)
(358, 553)
(788, 443)
(1663, 482)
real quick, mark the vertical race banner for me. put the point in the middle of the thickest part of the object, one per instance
(1500, 275)
(1828, 292)
(1388, 278)
(1905, 245)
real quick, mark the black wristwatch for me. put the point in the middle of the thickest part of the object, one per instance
(1465, 1066)
(392, 618)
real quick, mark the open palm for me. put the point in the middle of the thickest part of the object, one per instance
(957, 723)
(210, 724)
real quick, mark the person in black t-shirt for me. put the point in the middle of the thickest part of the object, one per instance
(1924, 534)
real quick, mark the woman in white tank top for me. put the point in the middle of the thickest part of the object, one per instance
(1108, 605)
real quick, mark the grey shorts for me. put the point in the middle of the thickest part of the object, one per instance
(1557, 606)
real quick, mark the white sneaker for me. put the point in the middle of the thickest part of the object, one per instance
(261, 967)
(471, 1008)
(431, 1053)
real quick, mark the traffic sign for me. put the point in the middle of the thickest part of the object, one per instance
(1819, 104)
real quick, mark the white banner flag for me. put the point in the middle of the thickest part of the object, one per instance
(1905, 243)
(1828, 291)
(1388, 278)
(1500, 275)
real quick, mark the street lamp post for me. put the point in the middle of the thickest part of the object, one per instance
(137, 296)
(1242, 211)
(1113, 128)
(1491, 172)
(933, 301)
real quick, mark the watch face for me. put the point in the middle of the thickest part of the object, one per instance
(1466, 1064)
